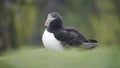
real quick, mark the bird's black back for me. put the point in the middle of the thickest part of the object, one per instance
(70, 36)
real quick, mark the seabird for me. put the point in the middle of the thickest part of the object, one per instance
(57, 36)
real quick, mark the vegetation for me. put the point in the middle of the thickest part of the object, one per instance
(40, 58)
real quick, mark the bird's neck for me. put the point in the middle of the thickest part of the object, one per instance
(55, 25)
(54, 29)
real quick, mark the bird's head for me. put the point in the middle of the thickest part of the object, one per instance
(53, 18)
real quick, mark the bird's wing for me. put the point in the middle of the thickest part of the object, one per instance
(80, 35)
(69, 36)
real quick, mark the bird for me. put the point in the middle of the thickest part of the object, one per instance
(57, 36)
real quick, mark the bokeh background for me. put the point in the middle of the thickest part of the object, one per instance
(22, 22)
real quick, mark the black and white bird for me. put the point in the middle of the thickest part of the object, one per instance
(57, 36)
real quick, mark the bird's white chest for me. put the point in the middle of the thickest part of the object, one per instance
(50, 42)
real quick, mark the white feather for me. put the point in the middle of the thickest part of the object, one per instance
(50, 42)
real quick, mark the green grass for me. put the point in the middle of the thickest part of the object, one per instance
(102, 57)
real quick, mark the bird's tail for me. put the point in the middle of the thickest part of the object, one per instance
(93, 41)
(91, 44)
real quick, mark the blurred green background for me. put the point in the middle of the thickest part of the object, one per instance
(22, 26)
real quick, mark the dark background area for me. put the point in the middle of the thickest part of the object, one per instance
(22, 21)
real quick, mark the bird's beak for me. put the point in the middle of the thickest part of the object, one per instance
(46, 23)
